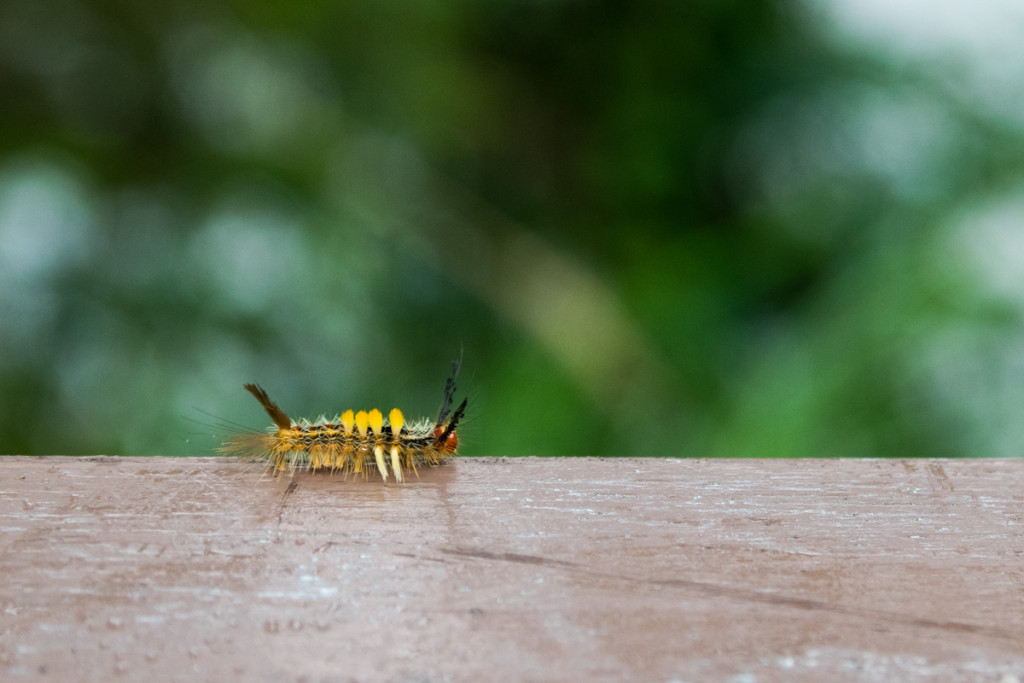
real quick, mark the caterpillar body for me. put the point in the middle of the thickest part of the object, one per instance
(355, 442)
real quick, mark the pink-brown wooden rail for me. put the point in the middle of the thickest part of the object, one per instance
(562, 569)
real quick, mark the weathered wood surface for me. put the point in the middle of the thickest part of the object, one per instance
(527, 569)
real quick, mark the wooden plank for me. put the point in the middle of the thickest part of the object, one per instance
(513, 569)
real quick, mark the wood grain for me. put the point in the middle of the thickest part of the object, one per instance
(564, 569)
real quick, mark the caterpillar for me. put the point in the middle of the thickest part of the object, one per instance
(355, 442)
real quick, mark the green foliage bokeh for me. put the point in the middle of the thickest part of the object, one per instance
(653, 228)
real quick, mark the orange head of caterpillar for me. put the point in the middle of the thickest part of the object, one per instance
(446, 441)
(445, 438)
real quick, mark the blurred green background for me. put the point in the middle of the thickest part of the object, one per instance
(655, 228)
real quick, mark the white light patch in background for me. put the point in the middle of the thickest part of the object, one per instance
(45, 221)
(254, 257)
(246, 94)
(991, 237)
(46, 227)
(973, 48)
(975, 365)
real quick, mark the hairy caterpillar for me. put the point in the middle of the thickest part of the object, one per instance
(353, 442)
